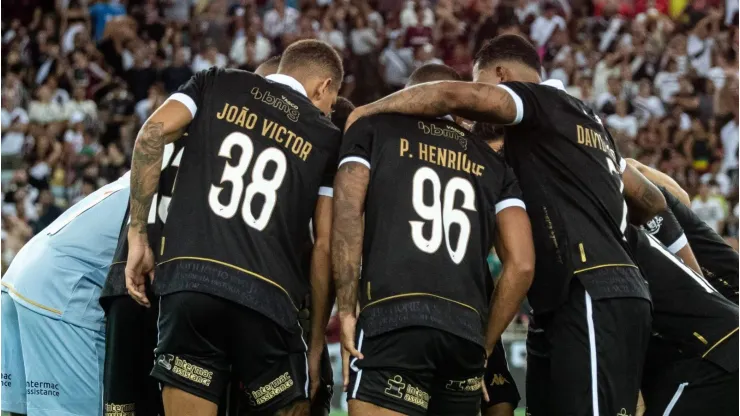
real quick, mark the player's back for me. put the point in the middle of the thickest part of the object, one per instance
(258, 153)
(687, 312)
(429, 223)
(60, 272)
(570, 170)
(718, 261)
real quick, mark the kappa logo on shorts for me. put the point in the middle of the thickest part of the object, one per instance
(395, 387)
(623, 412)
(165, 361)
(498, 380)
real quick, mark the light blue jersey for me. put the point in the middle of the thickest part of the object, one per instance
(60, 272)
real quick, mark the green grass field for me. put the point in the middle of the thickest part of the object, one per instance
(518, 412)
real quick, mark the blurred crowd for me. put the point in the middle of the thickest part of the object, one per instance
(79, 77)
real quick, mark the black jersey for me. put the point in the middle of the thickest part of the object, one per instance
(115, 283)
(259, 154)
(570, 171)
(430, 214)
(687, 311)
(718, 261)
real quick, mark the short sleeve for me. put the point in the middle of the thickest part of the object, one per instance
(666, 228)
(357, 143)
(511, 193)
(527, 98)
(191, 93)
(327, 181)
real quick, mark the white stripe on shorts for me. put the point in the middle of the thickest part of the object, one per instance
(353, 367)
(592, 349)
(675, 398)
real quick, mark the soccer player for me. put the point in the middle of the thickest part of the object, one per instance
(259, 154)
(433, 199)
(713, 257)
(588, 295)
(131, 329)
(53, 339)
(269, 67)
(692, 362)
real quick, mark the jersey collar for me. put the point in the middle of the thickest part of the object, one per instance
(289, 81)
(555, 83)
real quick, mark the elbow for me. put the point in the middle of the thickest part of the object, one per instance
(522, 269)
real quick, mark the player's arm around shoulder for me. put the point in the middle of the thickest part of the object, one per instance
(643, 198)
(661, 179)
(471, 100)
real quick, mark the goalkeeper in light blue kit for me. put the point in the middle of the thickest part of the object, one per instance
(53, 328)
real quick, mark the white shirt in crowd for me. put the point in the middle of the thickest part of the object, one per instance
(648, 107)
(262, 50)
(334, 38)
(86, 107)
(200, 63)
(408, 16)
(699, 52)
(363, 41)
(729, 137)
(627, 125)
(12, 141)
(667, 84)
(709, 211)
(44, 113)
(276, 26)
(543, 28)
(723, 181)
(397, 64)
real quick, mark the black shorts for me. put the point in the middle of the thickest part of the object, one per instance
(590, 357)
(499, 382)
(206, 341)
(418, 371)
(130, 338)
(687, 386)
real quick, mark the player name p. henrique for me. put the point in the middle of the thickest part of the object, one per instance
(441, 156)
(242, 117)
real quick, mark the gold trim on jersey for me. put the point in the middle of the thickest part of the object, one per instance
(583, 252)
(36, 304)
(419, 294)
(249, 272)
(701, 338)
(161, 247)
(601, 266)
(724, 338)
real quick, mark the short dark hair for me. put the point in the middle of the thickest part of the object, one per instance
(487, 131)
(340, 112)
(312, 55)
(508, 48)
(433, 72)
(269, 67)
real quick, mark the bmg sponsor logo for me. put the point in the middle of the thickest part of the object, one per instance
(281, 103)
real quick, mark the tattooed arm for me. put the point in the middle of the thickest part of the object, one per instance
(660, 178)
(350, 188)
(644, 199)
(470, 100)
(164, 126)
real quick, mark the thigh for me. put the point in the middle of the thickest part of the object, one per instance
(459, 373)
(13, 373)
(64, 365)
(597, 349)
(397, 371)
(499, 382)
(269, 361)
(131, 336)
(191, 352)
